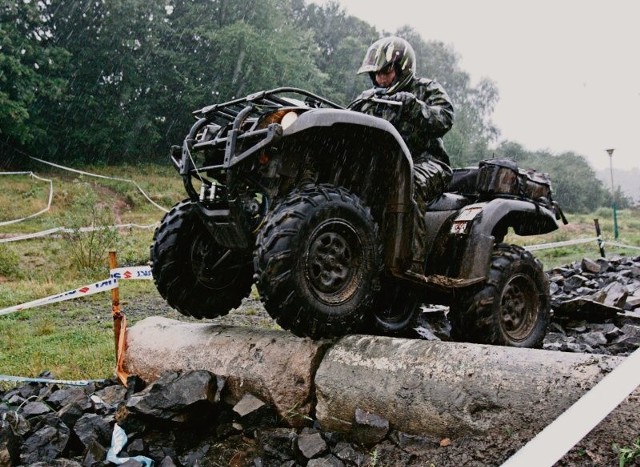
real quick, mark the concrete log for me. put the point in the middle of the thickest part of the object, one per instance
(274, 366)
(450, 389)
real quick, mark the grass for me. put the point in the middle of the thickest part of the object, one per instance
(70, 339)
(70, 345)
(627, 454)
(74, 339)
(582, 226)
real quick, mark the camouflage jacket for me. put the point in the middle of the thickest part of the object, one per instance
(422, 123)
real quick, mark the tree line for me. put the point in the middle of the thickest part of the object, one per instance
(114, 81)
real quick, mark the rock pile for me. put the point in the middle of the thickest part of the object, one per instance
(181, 419)
(596, 307)
(187, 419)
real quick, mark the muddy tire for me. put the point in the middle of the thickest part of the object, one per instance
(513, 306)
(318, 262)
(194, 274)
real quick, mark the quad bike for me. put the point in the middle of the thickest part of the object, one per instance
(313, 203)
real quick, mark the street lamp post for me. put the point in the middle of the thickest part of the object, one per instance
(613, 195)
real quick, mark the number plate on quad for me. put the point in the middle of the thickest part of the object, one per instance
(461, 222)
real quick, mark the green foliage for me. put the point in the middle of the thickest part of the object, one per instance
(626, 455)
(116, 81)
(88, 248)
(30, 65)
(9, 263)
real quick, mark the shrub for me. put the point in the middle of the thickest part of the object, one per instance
(87, 248)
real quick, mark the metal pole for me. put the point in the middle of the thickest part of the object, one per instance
(613, 195)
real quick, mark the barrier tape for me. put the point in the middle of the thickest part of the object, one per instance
(544, 246)
(104, 177)
(44, 233)
(23, 379)
(601, 243)
(623, 246)
(14, 221)
(553, 442)
(132, 273)
(96, 287)
(116, 274)
(119, 318)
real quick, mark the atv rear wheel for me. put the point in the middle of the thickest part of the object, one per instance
(194, 274)
(513, 307)
(318, 262)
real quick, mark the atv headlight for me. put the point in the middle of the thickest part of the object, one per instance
(288, 119)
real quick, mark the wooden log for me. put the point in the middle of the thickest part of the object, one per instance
(448, 389)
(441, 389)
(274, 366)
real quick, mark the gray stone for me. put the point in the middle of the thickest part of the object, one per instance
(326, 461)
(616, 295)
(631, 330)
(278, 444)
(35, 408)
(92, 427)
(588, 265)
(249, 403)
(47, 443)
(369, 428)
(345, 452)
(311, 445)
(179, 397)
(66, 396)
(594, 339)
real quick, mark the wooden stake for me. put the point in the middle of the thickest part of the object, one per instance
(119, 324)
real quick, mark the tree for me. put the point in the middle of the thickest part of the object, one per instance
(473, 130)
(30, 70)
(342, 41)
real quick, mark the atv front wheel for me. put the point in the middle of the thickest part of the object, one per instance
(194, 274)
(513, 307)
(318, 262)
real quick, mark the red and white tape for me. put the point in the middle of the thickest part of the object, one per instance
(85, 290)
(132, 273)
(125, 273)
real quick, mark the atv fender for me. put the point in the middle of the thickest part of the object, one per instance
(464, 244)
(378, 150)
(329, 117)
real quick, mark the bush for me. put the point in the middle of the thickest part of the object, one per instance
(87, 248)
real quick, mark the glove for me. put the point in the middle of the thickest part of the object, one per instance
(402, 96)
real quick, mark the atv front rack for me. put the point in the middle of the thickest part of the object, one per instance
(235, 124)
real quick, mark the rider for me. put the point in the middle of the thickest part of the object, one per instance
(424, 116)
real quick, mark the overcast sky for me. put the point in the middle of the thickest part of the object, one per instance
(568, 71)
